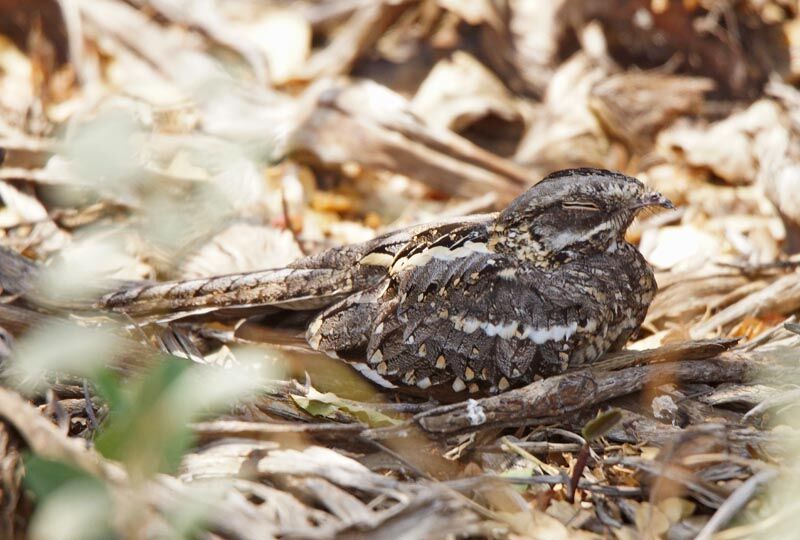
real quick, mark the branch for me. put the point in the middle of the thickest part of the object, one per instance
(549, 399)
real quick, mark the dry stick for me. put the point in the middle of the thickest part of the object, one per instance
(754, 269)
(702, 490)
(767, 335)
(464, 484)
(671, 352)
(790, 396)
(758, 528)
(580, 464)
(72, 21)
(558, 396)
(735, 502)
(218, 429)
(552, 398)
(783, 296)
(89, 406)
(45, 439)
(535, 447)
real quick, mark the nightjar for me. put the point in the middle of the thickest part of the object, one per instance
(477, 304)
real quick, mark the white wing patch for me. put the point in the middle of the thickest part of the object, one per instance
(558, 332)
(442, 253)
(377, 259)
(507, 330)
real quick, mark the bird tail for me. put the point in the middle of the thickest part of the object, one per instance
(284, 288)
(311, 283)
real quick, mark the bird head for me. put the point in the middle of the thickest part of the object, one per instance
(572, 213)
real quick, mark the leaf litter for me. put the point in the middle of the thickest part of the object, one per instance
(165, 139)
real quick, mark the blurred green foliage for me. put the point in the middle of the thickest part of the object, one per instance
(141, 431)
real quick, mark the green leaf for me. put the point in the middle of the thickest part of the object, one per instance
(525, 472)
(70, 504)
(44, 476)
(110, 388)
(329, 405)
(601, 424)
(142, 430)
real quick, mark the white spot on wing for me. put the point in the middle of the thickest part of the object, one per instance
(475, 413)
(441, 253)
(556, 332)
(314, 327)
(313, 336)
(470, 325)
(507, 273)
(372, 375)
(377, 259)
(504, 330)
(507, 330)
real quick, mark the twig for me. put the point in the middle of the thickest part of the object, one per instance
(767, 334)
(259, 430)
(505, 441)
(702, 490)
(577, 472)
(553, 398)
(762, 526)
(735, 503)
(548, 479)
(75, 39)
(671, 352)
(782, 295)
(791, 396)
(89, 406)
(399, 457)
(534, 447)
(752, 270)
(600, 506)
(408, 408)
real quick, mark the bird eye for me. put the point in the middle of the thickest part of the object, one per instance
(580, 205)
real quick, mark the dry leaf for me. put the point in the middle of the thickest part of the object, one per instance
(651, 521)
(329, 405)
(284, 37)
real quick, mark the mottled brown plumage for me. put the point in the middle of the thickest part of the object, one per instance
(477, 305)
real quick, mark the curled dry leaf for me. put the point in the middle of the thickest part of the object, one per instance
(564, 129)
(635, 107)
(698, 144)
(383, 134)
(681, 248)
(527, 50)
(460, 92)
(284, 38)
(241, 247)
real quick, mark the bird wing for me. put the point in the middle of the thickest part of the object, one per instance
(464, 312)
(309, 283)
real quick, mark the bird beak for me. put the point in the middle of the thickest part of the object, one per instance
(654, 199)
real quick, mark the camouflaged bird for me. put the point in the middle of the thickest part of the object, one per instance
(478, 304)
